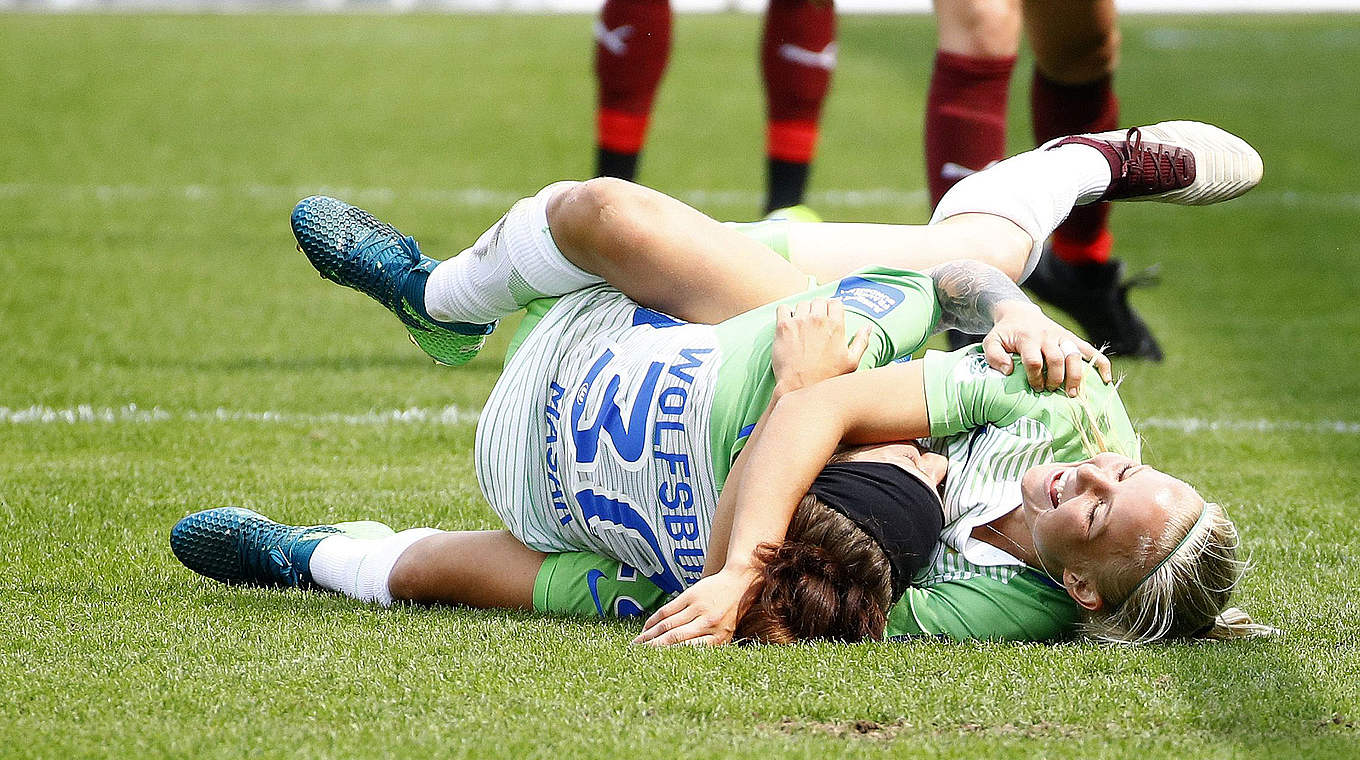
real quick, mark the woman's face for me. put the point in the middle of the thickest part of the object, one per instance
(1085, 513)
(930, 468)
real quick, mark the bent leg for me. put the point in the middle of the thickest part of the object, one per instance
(830, 251)
(571, 235)
(672, 258)
(1000, 216)
(476, 568)
(666, 255)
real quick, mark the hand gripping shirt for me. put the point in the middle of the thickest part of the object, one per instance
(613, 427)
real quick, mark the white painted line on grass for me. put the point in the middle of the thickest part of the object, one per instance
(1199, 425)
(456, 415)
(89, 414)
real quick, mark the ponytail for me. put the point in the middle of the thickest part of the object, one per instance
(827, 580)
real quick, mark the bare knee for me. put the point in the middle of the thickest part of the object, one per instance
(587, 216)
(1075, 41)
(410, 576)
(579, 210)
(979, 28)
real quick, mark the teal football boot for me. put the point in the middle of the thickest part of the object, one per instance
(349, 246)
(239, 546)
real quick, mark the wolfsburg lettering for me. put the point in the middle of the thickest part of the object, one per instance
(693, 355)
(551, 414)
(669, 449)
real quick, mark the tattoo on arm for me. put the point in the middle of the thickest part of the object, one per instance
(969, 291)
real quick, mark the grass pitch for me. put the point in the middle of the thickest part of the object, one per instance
(165, 350)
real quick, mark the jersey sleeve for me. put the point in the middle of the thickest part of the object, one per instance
(981, 607)
(899, 306)
(581, 583)
(963, 393)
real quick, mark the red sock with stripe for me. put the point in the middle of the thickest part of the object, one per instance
(965, 118)
(632, 47)
(797, 56)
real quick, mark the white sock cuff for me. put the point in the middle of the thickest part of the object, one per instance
(1035, 190)
(359, 568)
(376, 565)
(512, 263)
(541, 262)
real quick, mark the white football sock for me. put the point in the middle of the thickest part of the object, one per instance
(1036, 190)
(359, 567)
(511, 264)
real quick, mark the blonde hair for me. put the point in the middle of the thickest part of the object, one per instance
(1185, 594)
(1091, 425)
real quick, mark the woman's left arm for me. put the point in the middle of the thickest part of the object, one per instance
(809, 346)
(801, 432)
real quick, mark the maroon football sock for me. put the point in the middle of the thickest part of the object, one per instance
(797, 56)
(1058, 110)
(632, 47)
(965, 118)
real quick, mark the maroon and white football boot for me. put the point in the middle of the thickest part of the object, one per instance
(1182, 162)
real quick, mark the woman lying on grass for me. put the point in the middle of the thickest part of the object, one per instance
(649, 421)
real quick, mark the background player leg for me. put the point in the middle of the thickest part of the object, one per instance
(965, 126)
(1076, 47)
(632, 47)
(798, 55)
(965, 123)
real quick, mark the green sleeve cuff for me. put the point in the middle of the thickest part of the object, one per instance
(1024, 608)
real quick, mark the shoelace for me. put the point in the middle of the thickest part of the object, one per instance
(1136, 162)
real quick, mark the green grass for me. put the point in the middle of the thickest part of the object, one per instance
(147, 165)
